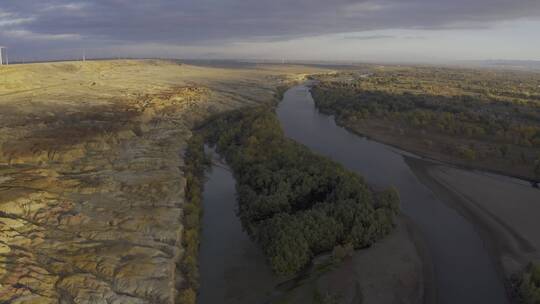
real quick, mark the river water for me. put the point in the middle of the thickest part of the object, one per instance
(464, 271)
(233, 269)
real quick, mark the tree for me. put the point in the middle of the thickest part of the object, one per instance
(284, 244)
(320, 231)
(529, 287)
(388, 199)
(340, 252)
(467, 153)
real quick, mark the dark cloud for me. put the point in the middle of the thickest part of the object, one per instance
(189, 22)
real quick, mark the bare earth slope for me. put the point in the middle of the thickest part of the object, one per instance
(91, 181)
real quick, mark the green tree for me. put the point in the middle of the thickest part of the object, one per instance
(388, 199)
(467, 153)
(285, 245)
(529, 287)
(340, 252)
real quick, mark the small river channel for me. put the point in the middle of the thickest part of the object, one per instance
(233, 269)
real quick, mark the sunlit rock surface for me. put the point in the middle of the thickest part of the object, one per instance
(91, 180)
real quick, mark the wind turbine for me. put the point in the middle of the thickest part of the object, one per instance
(3, 55)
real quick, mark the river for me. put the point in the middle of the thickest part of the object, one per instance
(233, 269)
(464, 271)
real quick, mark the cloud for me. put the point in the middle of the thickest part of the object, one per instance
(10, 19)
(197, 22)
(15, 21)
(67, 7)
(370, 37)
(27, 35)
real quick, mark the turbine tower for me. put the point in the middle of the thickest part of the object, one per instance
(3, 56)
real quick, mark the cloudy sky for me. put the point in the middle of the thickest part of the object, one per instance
(352, 30)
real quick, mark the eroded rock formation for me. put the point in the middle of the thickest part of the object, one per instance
(91, 180)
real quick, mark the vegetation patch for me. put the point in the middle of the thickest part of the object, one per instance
(294, 203)
(474, 116)
(529, 285)
(196, 162)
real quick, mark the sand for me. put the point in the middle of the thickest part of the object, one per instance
(394, 270)
(503, 209)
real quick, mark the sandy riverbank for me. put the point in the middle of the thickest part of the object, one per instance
(504, 210)
(395, 270)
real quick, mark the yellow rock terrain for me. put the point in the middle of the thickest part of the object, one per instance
(91, 180)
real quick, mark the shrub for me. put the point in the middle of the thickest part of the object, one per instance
(196, 161)
(340, 252)
(529, 287)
